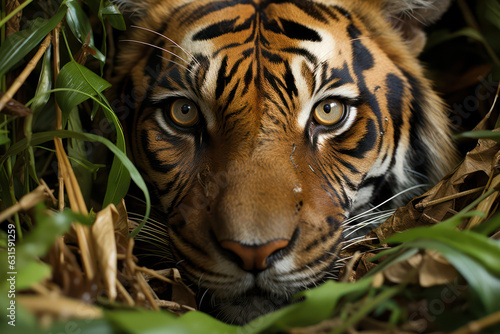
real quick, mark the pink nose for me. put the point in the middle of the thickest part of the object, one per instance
(254, 257)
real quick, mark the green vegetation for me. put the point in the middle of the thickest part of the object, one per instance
(55, 60)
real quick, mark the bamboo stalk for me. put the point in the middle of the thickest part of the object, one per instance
(9, 94)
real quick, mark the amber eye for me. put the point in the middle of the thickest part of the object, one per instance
(184, 112)
(329, 112)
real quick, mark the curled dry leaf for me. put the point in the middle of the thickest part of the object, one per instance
(103, 233)
(428, 269)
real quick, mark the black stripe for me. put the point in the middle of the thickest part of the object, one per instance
(395, 91)
(296, 30)
(221, 28)
(301, 52)
(212, 7)
(365, 144)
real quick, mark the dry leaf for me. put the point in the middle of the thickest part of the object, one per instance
(435, 270)
(427, 269)
(404, 271)
(103, 233)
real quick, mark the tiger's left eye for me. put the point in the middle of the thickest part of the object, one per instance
(329, 112)
(184, 112)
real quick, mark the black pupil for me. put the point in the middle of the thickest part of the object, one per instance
(327, 108)
(185, 108)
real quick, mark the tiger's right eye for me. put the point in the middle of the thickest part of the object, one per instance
(183, 112)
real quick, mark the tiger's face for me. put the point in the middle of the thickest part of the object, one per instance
(262, 125)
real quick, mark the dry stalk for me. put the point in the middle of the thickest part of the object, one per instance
(9, 94)
(487, 203)
(448, 198)
(154, 274)
(77, 204)
(27, 202)
(121, 289)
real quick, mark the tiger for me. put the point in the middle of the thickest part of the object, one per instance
(261, 126)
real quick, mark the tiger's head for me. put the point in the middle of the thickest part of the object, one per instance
(261, 126)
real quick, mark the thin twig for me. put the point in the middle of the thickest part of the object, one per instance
(448, 198)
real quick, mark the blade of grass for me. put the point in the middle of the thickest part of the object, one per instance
(14, 12)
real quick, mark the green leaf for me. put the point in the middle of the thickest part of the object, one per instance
(4, 139)
(481, 134)
(441, 36)
(80, 25)
(318, 305)
(489, 226)
(118, 183)
(109, 11)
(493, 12)
(81, 326)
(33, 272)
(44, 83)
(19, 44)
(150, 322)
(81, 79)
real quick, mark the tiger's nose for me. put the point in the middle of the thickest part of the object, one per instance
(254, 258)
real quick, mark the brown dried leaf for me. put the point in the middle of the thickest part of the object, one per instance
(103, 232)
(404, 271)
(435, 270)
(427, 269)
(122, 228)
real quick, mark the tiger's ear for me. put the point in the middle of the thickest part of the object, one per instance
(133, 7)
(411, 16)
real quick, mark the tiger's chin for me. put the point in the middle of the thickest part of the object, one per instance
(242, 309)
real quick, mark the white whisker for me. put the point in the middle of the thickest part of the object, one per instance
(390, 199)
(357, 241)
(170, 40)
(156, 47)
(174, 62)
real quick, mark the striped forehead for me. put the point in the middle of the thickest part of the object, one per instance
(265, 50)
